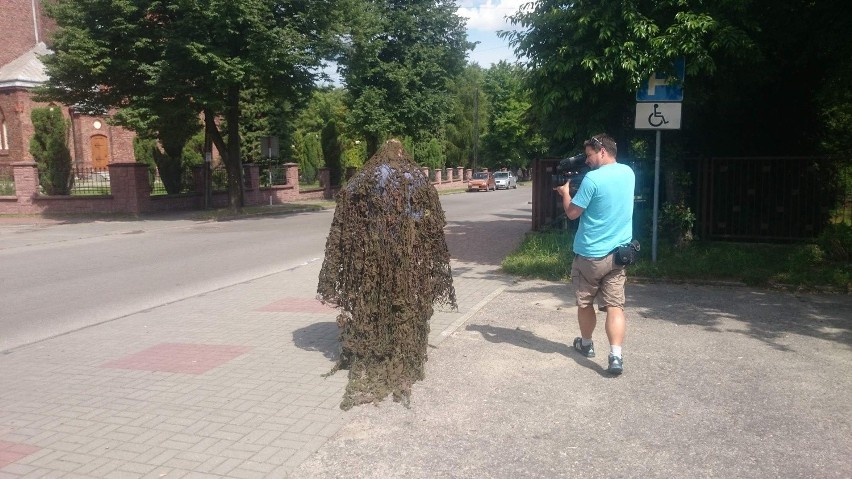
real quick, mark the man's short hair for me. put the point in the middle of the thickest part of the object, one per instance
(602, 140)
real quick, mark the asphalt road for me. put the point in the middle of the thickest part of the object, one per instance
(56, 278)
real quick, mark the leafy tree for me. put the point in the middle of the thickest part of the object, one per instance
(354, 154)
(265, 115)
(468, 117)
(49, 147)
(742, 93)
(325, 106)
(512, 139)
(332, 151)
(199, 55)
(429, 153)
(174, 126)
(397, 66)
(312, 148)
(587, 58)
(143, 152)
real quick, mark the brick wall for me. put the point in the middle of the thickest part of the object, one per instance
(17, 36)
(18, 29)
(16, 107)
(119, 140)
(17, 33)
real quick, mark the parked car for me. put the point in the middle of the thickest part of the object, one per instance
(505, 179)
(481, 180)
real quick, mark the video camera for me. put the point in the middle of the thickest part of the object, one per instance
(573, 168)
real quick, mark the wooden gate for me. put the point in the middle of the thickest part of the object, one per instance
(546, 203)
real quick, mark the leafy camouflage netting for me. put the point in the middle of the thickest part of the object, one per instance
(386, 264)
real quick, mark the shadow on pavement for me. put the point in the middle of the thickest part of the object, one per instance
(320, 337)
(766, 315)
(529, 340)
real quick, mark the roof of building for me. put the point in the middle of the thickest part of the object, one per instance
(27, 70)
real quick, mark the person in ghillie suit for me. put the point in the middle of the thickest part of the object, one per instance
(386, 264)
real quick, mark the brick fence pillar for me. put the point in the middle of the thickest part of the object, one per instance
(251, 184)
(425, 170)
(251, 176)
(438, 176)
(291, 173)
(26, 181)
(467, 174)
(325, 182)
(449, 175)
(130, 188)
(459, 173)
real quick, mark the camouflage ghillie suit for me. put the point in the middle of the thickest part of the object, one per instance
(386, 263)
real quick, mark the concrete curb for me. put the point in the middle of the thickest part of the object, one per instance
(465, 317)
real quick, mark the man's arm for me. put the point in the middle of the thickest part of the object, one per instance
(572, 211)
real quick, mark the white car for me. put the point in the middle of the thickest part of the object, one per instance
(505, 179)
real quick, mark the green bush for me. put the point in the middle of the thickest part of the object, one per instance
(676, 222)
(50, 150)
(836, 241)
(807, 256)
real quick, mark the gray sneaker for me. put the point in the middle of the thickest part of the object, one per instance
(616, 365)
(587, 351)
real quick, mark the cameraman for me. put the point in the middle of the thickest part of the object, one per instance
(604, 204)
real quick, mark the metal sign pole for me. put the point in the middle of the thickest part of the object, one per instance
(656, 199)
(658, 107)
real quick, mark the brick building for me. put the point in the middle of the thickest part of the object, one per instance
(24, 37)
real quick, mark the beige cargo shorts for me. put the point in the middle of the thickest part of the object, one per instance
(598, 277)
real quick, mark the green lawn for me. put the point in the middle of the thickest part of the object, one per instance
(548, 255)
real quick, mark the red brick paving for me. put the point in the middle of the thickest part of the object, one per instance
(11, 452)
(179, 358)
(298, 305)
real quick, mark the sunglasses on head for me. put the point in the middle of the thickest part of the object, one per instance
(596, 140)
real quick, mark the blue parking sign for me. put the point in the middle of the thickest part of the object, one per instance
(657, 87)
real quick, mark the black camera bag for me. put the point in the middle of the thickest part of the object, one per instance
(627, 254)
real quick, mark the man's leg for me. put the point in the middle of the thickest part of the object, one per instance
(616, 325)
(587, 319)
(586, 288)
(612, 291)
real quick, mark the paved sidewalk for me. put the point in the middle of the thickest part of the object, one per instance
(225, 384)
(719, 382)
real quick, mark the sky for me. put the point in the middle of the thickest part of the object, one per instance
(484, 19)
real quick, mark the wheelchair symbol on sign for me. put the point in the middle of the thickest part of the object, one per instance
(656, 118)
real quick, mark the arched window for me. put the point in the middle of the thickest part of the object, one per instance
(4, 133)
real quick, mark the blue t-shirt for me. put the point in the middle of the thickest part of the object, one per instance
(606, 194)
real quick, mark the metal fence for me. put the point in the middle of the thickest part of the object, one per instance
(7, 181)
(734, 199)
(273, 175)
(771, 199)
(219, 178)
(90, 181)
(159, 188)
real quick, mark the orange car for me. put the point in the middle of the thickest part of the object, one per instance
(482, 180)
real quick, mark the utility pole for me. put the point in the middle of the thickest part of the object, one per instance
(475, 128)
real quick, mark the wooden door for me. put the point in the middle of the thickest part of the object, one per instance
(100, 152)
